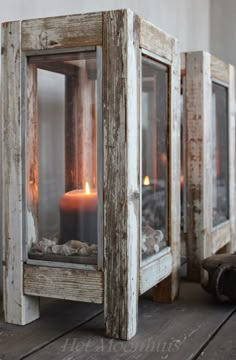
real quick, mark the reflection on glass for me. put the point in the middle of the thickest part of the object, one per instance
(182, 158)
(154, 157)
(67, 145)
(220, 155)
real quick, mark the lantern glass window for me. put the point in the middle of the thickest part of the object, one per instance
(67, 202)
(220, 155)
(155, 159)
(182, 157)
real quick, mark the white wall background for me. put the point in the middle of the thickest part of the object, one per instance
(188, 20)
(191, 21)
(223, 30)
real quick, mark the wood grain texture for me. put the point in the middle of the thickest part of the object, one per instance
(222, 346)
(157, 41)
(220, 237)
(57, 319)
(203, 241)
(18, 309)
(206, 241)
(219, 70)
(176, 331)
(167, 290)
(156, 271)
(62, 32)
(198, 161)
(62, 283)
(121, 172)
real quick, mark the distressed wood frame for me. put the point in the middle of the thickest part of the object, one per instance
(164, 272)
(200, 69)
(118, 279)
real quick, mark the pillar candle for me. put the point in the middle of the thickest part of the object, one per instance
(78, 216)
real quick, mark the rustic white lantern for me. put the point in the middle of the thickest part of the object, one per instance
(208, 158)
(91, 164)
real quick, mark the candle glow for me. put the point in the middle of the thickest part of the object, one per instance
(87, 188)
(146, 180)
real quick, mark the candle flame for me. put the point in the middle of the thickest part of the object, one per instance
(146, 180)
(163, 158)
(87, 188)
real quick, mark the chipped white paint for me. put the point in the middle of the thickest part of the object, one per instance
(156, 271)
(62, 283)
(121, 173)
(18, 308)
(201, 69)
(152, 38)
(121, 34)
(133, 195)
(62, 32)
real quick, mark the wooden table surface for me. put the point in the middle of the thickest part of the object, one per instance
(194, 327)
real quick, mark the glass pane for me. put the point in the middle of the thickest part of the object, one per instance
(220, 156)
(182, 157)
(67, 151)
(154, 157)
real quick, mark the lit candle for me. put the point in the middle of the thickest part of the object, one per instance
(78, 216)
(146, 181)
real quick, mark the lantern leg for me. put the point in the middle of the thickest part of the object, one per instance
(18, 308)
(121, 178)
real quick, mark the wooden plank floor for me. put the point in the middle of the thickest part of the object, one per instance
(223, 346)
(187, 329)
(57, 318)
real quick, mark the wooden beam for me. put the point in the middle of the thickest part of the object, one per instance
(155, 271)
(220, 237)
(62, 283)
(18, 308)
(62, 32)
(219, 70)
(198, 160)
(59, 67)
(157, 41)
(121, 171)
(84, 53)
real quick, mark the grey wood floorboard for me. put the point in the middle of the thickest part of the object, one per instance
(57, 318)
(223, 346)
(176, 331)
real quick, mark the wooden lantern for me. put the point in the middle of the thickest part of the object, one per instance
(208, 158)
(110, 63)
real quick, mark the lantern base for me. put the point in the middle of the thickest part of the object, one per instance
(73, 259)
